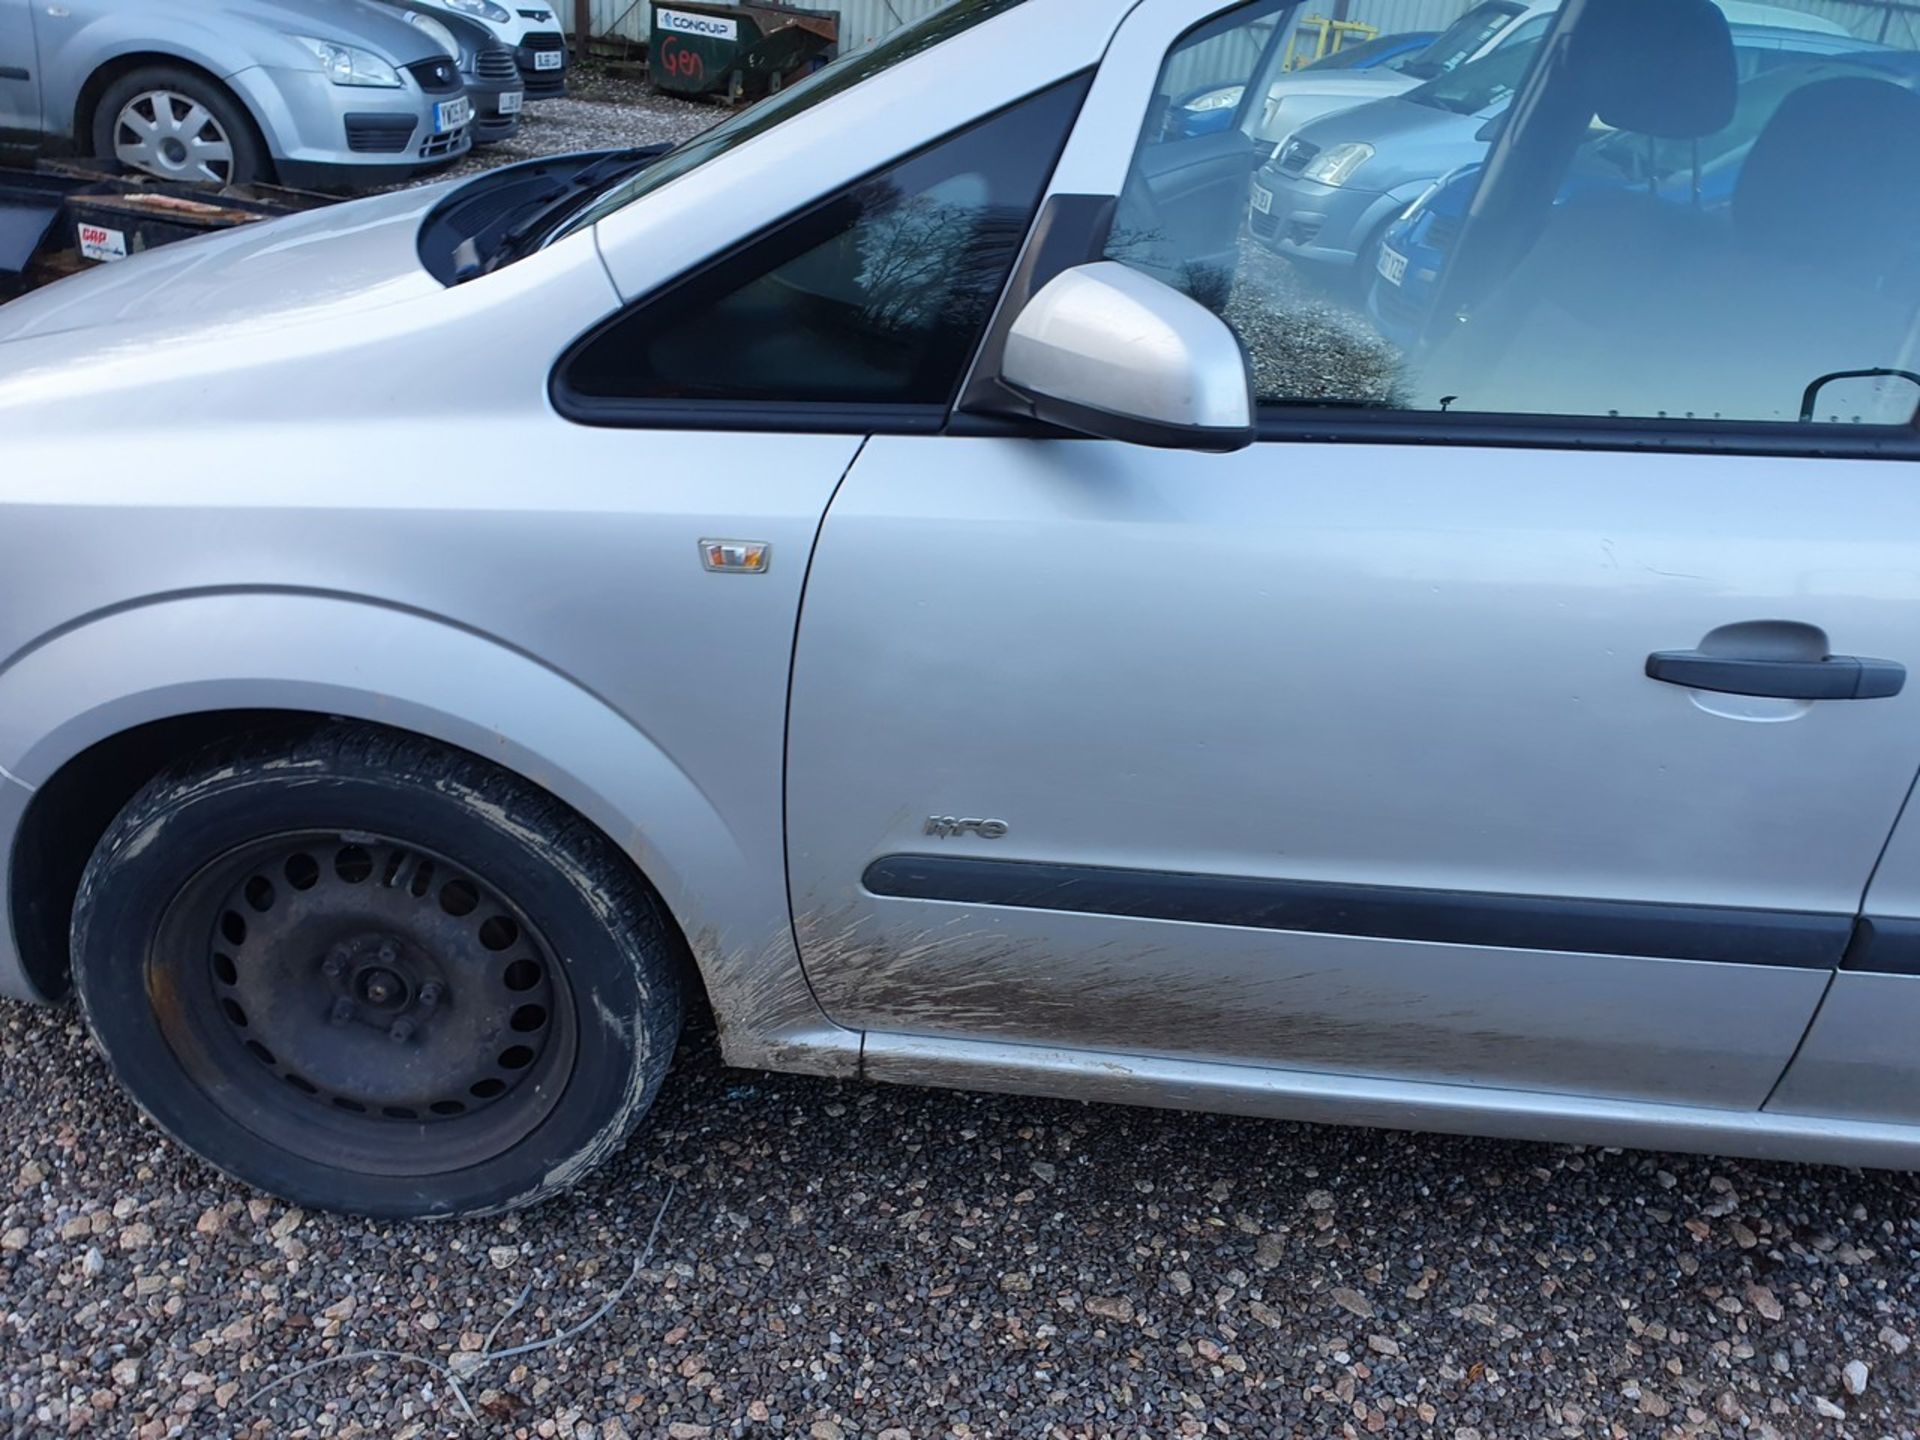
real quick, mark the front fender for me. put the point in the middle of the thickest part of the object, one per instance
(72, 55)
(1389, 207)
(335, 655)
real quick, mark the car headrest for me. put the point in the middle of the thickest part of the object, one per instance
(1815, 185)
(1656, 67)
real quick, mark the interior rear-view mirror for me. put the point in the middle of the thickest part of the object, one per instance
(1109, 351)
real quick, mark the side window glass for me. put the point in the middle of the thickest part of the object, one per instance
(875, 297)
(1681, 210)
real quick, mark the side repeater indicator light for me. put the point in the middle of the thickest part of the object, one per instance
(736, 557)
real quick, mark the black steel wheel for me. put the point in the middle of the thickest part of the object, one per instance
(351, 969)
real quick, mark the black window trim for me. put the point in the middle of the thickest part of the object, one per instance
(1310, 424)
(794, 416)
(1335, 424)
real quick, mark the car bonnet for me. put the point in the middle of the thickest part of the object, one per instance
(357, 254)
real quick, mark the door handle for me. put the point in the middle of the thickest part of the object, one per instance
(1838, 677)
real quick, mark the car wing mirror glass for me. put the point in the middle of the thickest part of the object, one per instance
(1106, 350)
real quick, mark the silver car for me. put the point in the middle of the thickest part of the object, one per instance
(901, 571)
(323, 93)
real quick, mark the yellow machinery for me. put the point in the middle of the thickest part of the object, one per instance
(1318, 37)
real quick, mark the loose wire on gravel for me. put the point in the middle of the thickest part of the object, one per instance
(463, 1367)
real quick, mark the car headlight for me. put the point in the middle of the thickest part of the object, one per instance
(1335, 164)
(442, 36)
(1225, 98)
(481, 10)
(350, 65)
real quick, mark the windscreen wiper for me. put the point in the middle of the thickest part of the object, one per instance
(550, 207)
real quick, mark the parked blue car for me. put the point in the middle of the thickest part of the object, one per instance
(1203, 112)
(1417, 246)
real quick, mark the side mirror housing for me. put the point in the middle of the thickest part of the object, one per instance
(1106, 350)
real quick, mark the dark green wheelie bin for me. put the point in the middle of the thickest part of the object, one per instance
(736, 52)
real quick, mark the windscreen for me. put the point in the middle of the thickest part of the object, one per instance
(1462, 39)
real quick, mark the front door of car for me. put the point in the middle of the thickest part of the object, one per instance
(19, 77)
(1341, 754)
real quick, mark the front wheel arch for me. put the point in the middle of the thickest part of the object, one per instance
(300, 654)
(71, 812)
(92, 712)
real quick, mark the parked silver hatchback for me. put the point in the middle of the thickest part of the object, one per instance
(325, 93)
(906, 570)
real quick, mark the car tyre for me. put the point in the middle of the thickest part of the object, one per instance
(199, 131)
(369, 974)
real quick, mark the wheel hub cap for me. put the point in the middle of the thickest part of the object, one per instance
(174, 136)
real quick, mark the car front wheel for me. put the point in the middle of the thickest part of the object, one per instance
(368, 974)
(173, 123)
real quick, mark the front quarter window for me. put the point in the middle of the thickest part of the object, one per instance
(874, 297)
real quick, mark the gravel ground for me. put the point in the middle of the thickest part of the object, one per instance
(601, 113)
(1307, 341)
(839, 1261)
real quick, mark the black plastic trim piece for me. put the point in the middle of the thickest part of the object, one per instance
(1355, 424)
(786, 417)
(1797, 939)
(1884, 946)
(1070, 230)
(376, 133)
(436, 77)
(1838, 677)
(1312, 425)
(14, 72)
(1134, 430)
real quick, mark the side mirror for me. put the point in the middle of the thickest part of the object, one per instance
(1106, 350)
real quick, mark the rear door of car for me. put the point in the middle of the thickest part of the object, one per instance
(1341, 754)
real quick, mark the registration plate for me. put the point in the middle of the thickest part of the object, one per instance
(1263, 200)
(549, 59)
(1392, 265)
(512, 101)
(452, 114)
